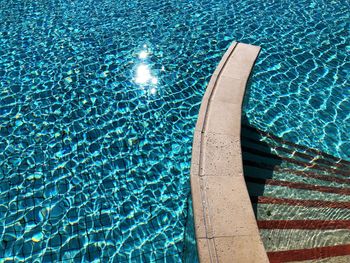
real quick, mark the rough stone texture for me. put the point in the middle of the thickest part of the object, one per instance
(226, 229)
(221, 155)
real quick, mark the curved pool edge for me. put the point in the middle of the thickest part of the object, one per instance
(225, 224)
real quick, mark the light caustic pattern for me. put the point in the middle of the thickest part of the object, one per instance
(99, 101)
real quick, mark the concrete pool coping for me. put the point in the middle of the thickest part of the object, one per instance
(225, 225)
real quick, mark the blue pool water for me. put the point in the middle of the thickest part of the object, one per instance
(99, 101)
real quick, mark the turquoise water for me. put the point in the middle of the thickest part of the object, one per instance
(300, 90)
(99, 101)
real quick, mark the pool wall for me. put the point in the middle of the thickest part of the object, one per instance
(225, 225)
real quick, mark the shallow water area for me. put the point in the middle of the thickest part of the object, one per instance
(98, 103)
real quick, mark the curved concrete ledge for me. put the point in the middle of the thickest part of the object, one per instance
(226, 229)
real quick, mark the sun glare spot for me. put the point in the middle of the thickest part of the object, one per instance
(143, 74)
(153, 90)
(154, 80)
(143, 54)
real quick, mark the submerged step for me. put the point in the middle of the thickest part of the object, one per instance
(301, 197)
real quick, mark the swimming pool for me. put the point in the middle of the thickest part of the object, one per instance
(99, 101)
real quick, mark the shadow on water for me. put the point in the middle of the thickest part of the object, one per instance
(254, 152)
(259, 160)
